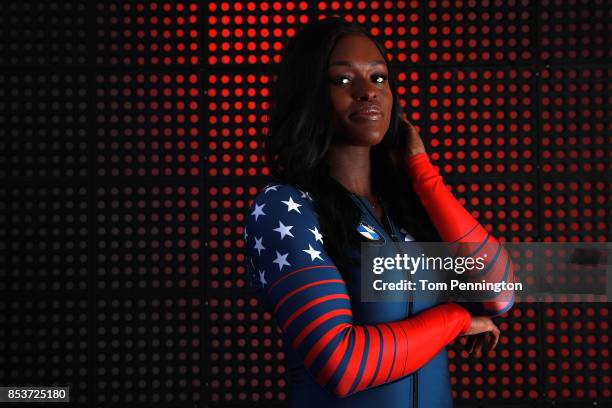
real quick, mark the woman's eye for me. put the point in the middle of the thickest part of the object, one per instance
(339, 80)
(383, 76)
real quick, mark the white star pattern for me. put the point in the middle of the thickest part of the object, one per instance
(318, 236)
(258, 245)
(314, 254)
(269, 188)
(279, 209)
(305, 194)
(258, 211)
(262, 278)
(407, 236)
(291, 205)
(281, 260)
(284, 229)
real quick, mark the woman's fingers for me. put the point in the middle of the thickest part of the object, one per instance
(494, 338)
(479, 342)
(470, 344)
(488, 336)
(474, 342)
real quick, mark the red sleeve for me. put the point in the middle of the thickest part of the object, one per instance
(300, 285)
(455, 224)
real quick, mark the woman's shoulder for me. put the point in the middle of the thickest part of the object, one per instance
(282, 206)
(287, 193)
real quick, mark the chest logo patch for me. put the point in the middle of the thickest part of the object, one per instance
(370, 232)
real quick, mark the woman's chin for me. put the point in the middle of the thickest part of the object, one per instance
(370, 139)
(360, 136)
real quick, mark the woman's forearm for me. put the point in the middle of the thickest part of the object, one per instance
(455, 224)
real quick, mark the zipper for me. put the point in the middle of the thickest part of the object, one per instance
(415, 375)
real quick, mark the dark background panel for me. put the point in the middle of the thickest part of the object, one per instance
(131, 148)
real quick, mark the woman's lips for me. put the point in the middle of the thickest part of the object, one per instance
(367, 115)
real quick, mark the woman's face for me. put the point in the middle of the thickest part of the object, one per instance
(357, 80)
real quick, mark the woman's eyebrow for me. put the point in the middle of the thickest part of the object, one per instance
(350, 64)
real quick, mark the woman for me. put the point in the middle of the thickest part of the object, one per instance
(349, 167)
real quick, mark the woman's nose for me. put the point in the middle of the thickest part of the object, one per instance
(365, 89)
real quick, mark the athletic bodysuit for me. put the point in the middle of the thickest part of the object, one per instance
(342, 352)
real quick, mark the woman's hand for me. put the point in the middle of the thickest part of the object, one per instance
(482, 330)
(414, 144)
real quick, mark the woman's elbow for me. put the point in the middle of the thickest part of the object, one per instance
(497, 308)
(333, 387)
(337, 392)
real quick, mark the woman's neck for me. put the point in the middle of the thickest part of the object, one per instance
(350, 166)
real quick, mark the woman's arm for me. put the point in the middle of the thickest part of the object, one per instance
(455, 224)
(300, 285)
